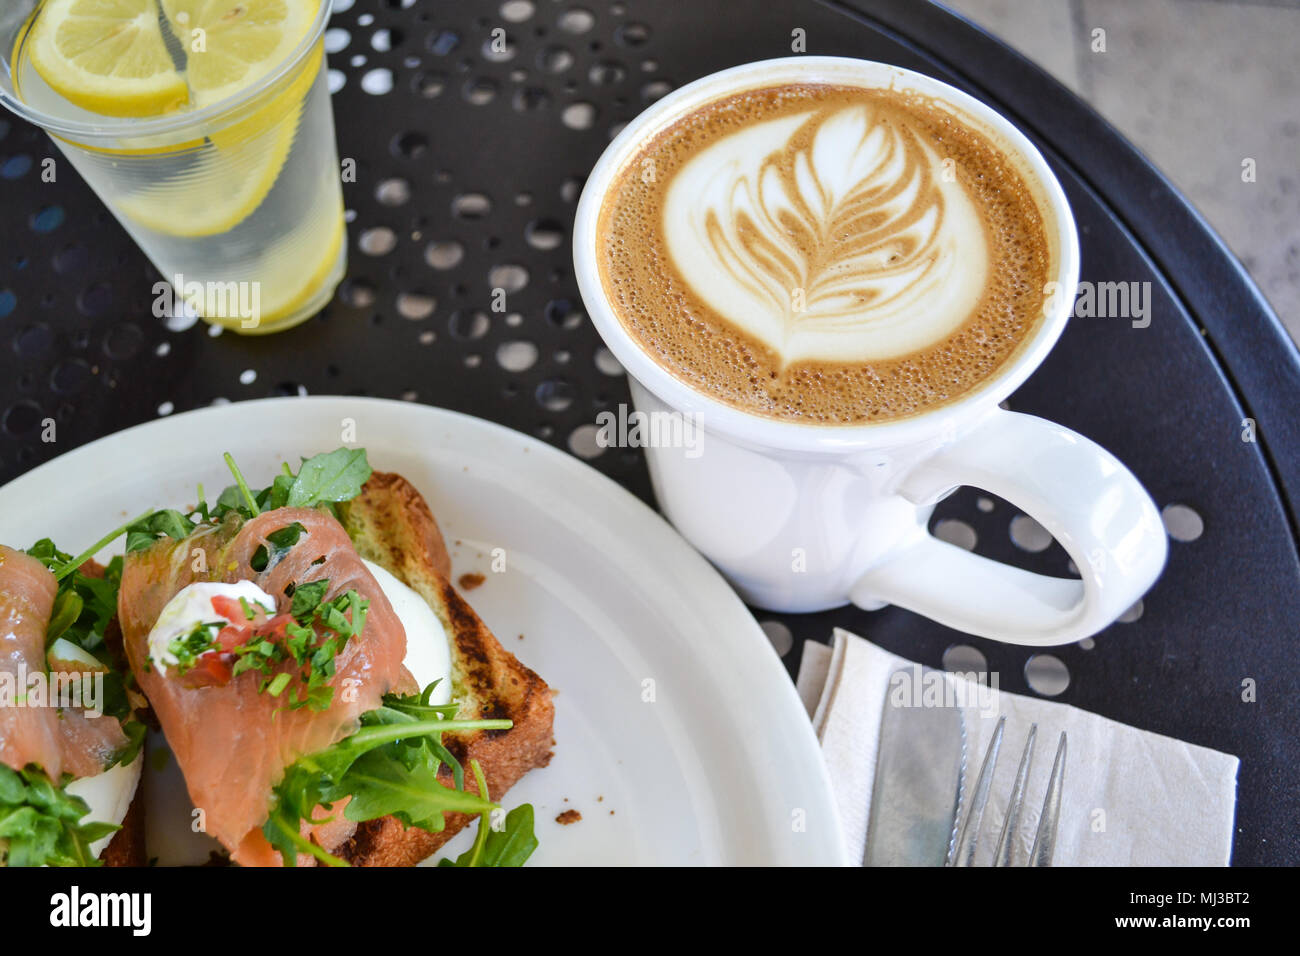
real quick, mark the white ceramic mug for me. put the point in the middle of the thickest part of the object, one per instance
(804, 517)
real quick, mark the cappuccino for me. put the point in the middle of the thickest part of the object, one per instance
(825, 254)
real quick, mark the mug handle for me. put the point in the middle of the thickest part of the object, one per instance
(1074, 488)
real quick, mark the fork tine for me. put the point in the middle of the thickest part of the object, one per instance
(1006, 843)
(1045, 838)
(964, 854)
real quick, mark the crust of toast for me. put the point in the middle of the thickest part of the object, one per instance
(391, 524)
(127, 846)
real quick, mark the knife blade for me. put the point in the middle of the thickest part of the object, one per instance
(920, 774)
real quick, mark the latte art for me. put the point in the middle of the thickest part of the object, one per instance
(824, 254)
(828, 235)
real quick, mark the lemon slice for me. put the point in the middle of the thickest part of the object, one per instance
(218, 192)
(230, 44)
(106, 56)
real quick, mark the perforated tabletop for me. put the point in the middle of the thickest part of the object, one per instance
(469, 161)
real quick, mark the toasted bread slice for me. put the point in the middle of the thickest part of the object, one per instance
(391, 525)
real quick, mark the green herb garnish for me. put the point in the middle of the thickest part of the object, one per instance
(41, 824)
(389, 766)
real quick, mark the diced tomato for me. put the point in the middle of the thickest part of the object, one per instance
(212, 669)
(230, 608)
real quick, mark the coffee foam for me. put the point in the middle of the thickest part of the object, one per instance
(824, 253)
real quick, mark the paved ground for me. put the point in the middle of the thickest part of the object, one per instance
(1202, 87)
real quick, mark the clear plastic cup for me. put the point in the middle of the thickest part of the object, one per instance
(238, 204)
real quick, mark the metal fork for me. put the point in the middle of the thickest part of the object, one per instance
(1045, 838)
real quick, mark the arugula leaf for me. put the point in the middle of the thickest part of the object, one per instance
(41, 824)
(168, 523)
(388, 766)
(334, 476)
(512, 845)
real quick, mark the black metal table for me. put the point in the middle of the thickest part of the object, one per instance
(467, 173)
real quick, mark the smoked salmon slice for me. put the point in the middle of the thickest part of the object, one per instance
(232, 740)
(59, 740)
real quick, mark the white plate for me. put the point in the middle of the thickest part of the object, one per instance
(679, 737)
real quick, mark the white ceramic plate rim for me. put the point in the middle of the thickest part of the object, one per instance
(620, 527)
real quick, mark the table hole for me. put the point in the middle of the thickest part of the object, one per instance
(584, 442)
(337, 40)
(35, 341)
(8, 302)
(410, 145)
(956, 532)
(544, 234)
(607, 73)
(473, 361)
(563, 313)
(415, 305)
(655, 90)
(384, 40)
(530, 98)
(517, 356)
(780, 636)
(965, 659)
(471, 206)
(1047, 674)
(163, 349)
(72, 258)
(377, 241)
(445, 254)
(480, 91)
(95, 300)
(555, 394)
(15, 167)
(468, 324)
(1182, 522)
(428, 337)
(123, 341)
(442, 42)
(606, 363)
(576, 20)
(510, 278)
(580, 115)
(632, 34)
(70, 375)
(358, 293)
(393, 192)
(378, 81)
(335, 80)
(166, 408)
(1087, 644)
(555, 59)
(517, 11)
(1134, 613)
(47, 219)
(1029, 535)
(429, 85)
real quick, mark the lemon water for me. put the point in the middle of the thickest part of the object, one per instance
(242, 213)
